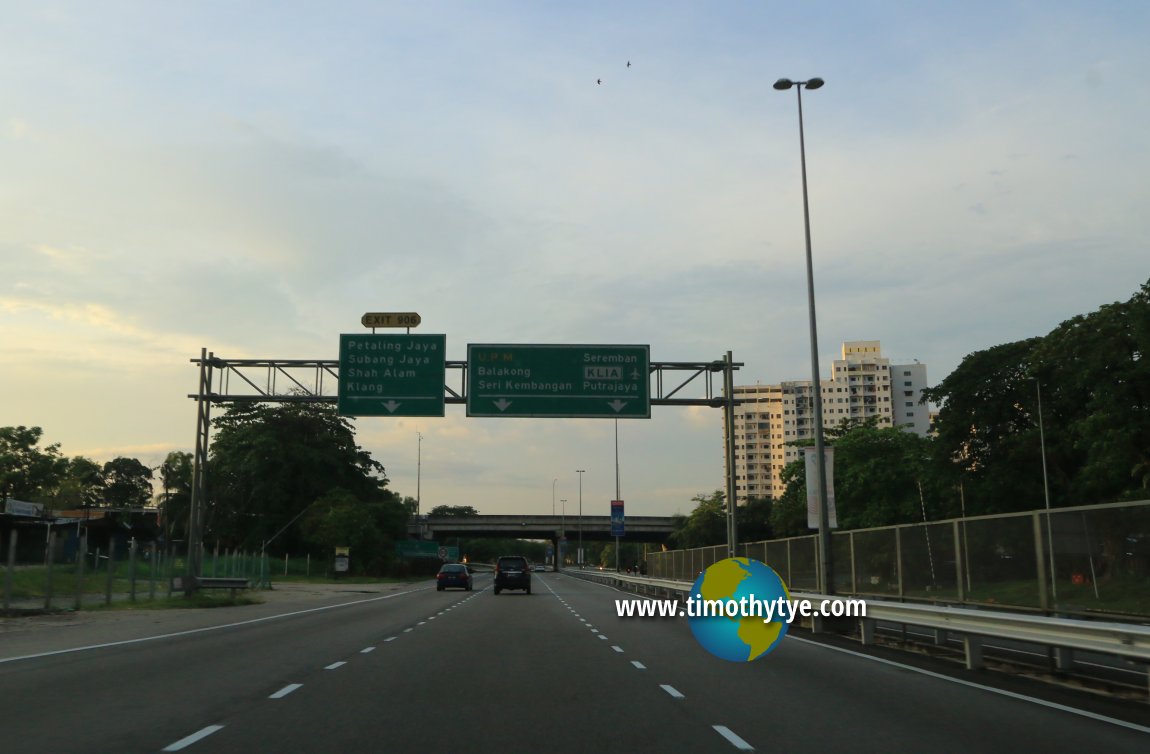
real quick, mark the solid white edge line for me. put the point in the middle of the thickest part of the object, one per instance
(735, 741)
(205, 629)
(675, 693)
(991, 689)
(335, 665)
(188, 741)
(286, 690)
(1001, 692)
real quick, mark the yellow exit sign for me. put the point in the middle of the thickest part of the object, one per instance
(390, 319)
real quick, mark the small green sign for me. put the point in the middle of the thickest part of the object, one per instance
(424, 548)
(392, 375)
(571, 381)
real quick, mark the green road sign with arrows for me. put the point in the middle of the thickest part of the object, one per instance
(392, 375)
(561, 381)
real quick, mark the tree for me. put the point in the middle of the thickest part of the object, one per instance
(706, 525)
(176, 493)
(453, 511)
(987, 429)
(127, 483)
(81, 486)
(28, 472)
(1094, 379)
(268, 463)
(882, 476)
(340, 520)
(754, 519)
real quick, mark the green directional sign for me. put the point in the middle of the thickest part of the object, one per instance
(392, 375)
(610, 382)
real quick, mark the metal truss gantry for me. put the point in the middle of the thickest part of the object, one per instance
(317, 381)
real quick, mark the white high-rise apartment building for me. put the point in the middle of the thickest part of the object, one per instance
(863, 384)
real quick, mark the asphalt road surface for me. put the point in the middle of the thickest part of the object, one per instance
(415, 670)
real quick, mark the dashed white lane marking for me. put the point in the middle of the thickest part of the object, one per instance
(208, 628)
(285, 691)
(728, 734)
(335, 665)
(391, 638)
(638, 665)
(408, 630)
(366, 650)
(675, 694)
(186, 742)
(601, 636)
(617, 648)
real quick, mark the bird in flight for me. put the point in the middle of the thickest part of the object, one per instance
(598, 81)
(628, 63)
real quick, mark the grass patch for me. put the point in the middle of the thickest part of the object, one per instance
(325, 579)
(180, 602)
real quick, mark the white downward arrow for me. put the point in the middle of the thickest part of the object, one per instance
(502, 404)
(617, 405)
(391, 406)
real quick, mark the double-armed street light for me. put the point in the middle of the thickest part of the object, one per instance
(826, 578)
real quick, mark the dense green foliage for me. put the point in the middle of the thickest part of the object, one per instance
(1093, 376)
(28, 472)
(42, 475)
(452, 511)
(269, 464)
(127, 483)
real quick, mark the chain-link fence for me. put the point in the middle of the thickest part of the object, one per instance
(1088, 559)
(65, 568)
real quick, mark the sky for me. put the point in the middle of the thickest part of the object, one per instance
(253, 177)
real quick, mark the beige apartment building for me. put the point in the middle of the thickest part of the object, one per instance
(863, 384)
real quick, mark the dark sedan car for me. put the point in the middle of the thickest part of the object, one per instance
(512, 572)
(453, 574)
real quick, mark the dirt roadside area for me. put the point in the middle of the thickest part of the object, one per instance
(36, 634)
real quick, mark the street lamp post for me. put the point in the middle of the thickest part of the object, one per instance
(1046, 492)
(580, 472)
(553, 481)
(826, 577)
(562, 531)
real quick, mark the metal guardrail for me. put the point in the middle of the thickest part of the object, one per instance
(1129, 641)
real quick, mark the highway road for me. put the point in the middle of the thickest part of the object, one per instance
(416, 670)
